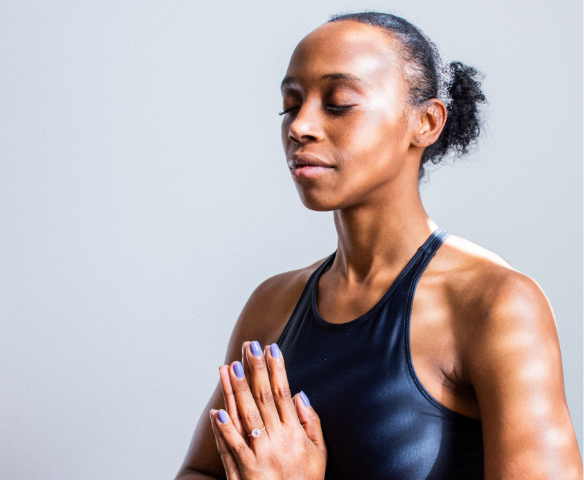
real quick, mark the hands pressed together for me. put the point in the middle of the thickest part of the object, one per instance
(265, 433)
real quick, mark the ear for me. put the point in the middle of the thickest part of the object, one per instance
(431, 122)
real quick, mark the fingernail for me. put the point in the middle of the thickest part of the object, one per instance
(275, 350)
(223, 417)
(238, 369)
(211, 414)
(305, 399)
(256, 350)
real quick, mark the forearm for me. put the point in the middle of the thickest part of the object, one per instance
(189, 474)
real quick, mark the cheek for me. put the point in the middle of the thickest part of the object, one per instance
(374, 140)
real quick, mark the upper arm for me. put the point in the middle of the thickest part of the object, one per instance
(263, 318)
(516, 371)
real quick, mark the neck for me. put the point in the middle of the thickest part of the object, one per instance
(382, 233)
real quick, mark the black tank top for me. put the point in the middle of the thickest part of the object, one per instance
(378, 421)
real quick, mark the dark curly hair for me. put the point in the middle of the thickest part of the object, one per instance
(456, 84)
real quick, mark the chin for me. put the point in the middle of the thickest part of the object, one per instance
(320, 201)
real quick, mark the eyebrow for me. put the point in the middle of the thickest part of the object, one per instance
(342, 77)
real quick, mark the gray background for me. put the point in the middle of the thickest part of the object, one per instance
(144, 195)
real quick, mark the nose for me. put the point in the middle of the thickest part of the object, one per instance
(306, 126)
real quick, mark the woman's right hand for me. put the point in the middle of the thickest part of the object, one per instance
(292, 444)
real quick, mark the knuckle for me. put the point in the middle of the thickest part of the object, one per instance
(257, 366)
(282, 392)
(240, 387)
(240, 449)
(264, 397)
(279, 367)
(253, 417)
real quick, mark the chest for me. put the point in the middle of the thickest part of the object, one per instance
(377, 420)
(435, 333)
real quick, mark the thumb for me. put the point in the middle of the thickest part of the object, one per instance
(310, 420)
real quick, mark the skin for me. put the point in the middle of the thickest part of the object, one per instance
(484, 341)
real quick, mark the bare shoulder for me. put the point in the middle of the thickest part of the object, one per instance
(492, 291)
(508, 346)
(268, 309)
(489, 305)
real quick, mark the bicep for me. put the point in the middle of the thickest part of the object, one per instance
(517, 376)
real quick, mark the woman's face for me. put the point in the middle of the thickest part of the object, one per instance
(347, 131)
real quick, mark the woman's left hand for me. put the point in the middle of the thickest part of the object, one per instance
(285, 447)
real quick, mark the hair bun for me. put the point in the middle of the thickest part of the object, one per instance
(463, 124)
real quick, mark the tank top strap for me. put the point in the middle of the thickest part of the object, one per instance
(401, 290)
(418, 262)
(303, 306)
(397, 299)
(434, 241)
(409, 276)
(426, 252)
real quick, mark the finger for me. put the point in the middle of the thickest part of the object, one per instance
(310, 420)
(280, 387)
(246, 405)
(244, 361)
(261, 388)
(227, 457)
(230, 403)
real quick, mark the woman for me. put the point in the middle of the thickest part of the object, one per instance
(420, 355)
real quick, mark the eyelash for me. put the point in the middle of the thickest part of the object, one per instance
(288, 110)
(333, 108)
(339, 108)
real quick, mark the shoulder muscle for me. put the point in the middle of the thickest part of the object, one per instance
(515, 367)
(268, 309)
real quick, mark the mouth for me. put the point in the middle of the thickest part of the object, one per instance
(306, 165)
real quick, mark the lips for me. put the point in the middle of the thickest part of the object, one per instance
(306, 165)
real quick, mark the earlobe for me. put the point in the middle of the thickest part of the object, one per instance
(420, 139)
(432, 121)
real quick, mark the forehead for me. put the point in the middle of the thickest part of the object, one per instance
(346, 47)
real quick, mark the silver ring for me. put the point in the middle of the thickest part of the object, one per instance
(255, 433)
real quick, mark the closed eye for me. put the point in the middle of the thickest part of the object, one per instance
(288, 110)
(339, 108)
(330, 107)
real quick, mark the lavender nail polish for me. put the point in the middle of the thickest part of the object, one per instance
(238, 369)
(256, 350)
(223, 417)
(305, 399)
(275, 350)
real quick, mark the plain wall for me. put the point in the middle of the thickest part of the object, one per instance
(144, 195)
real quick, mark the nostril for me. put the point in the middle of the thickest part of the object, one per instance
(301, 138)
(293, 136)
